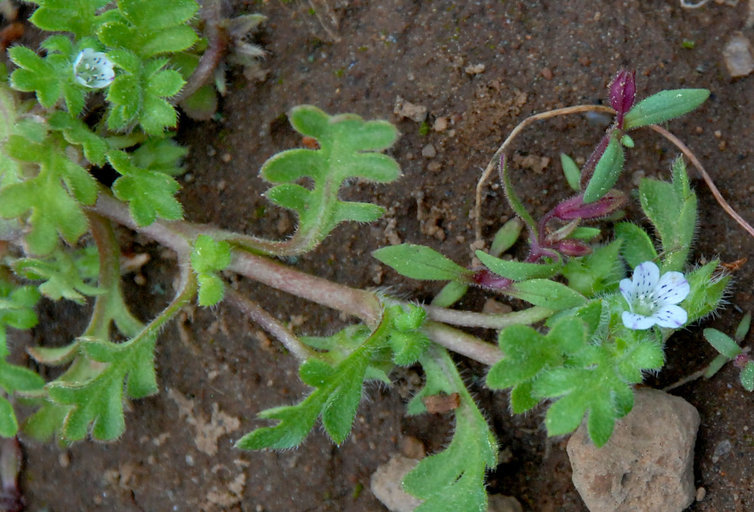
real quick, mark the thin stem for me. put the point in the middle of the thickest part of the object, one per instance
(706, 177)
(488, 321)
(210, 59)
(508, 141)
(270, 324)
(462, 343)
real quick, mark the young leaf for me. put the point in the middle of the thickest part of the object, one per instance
(421, 262)
(722, 343)
(707, 290)
(595, 273)
(63, 277)
(149, 193)
(606, 172)
(451, 293)
(506, 236)
(747, 376)
(546, 293)
(571, 171)
(515, 203)
(346, 150)
(672, 209)
(518, 270)
(637, 247)
(663, 106)
(207, 258)
(16, 310)
(77, 17)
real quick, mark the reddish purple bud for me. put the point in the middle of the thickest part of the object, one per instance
(623, 93)
(574, 208)
(741, 360)
(574, 248)
(486, 279)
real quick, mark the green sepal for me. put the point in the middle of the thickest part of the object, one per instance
(606, 172)
(518, 270)
(637, 246)
(707, 288)
(663, 106)
(421, 262)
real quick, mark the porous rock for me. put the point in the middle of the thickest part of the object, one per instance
(386, 484)
(738, 56)
(647, 465)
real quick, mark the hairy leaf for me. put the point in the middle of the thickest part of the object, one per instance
(421, 262)
(663, 106)
(518, 270)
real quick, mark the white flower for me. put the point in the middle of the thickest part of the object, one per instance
(93, 69)
(652, 299)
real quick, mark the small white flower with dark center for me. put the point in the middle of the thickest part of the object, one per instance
(93, 69)
(652, 300)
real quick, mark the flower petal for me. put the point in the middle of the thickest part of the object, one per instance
(670, 316)
(671, 289)
(638, 322)
(628, 291)
(645, 278)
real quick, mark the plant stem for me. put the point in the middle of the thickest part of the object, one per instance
(269, 324)
(487, 321)
(462, 343)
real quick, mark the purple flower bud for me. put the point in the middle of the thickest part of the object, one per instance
(574, 248)
(741, 360)
(623, 93)
(487, 280)
(574, 208)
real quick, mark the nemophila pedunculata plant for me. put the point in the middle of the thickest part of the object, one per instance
(605, 292)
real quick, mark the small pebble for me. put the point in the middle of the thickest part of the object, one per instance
(226, 158)
(474, 69)
(429, 151)
(701, 493)
(738, 56)
(441, 124)
(546, 73)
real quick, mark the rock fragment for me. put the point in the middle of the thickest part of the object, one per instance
(648, 462)
(386, 484)
(738, 56)
(406, 109)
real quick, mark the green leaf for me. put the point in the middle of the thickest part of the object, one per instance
(169, 40)
(156, 16)
(515, 203)
(16, 310)
(62, 274)
(596, 273)
(637, 247)
(453, 479)
(722, 343)
(606, 172)
(77, 17)
(506, 236)
(663, 106)
(8, 422)
(336, 395)
(346, 150)
(149, 193)
(421, 262)
(518, 270)
(743, 328)
(99, 401)
(571, 171)
(77, 132)
(546, 293)
(451, 293)
(671, 207)
(17, 378)
(207, 258)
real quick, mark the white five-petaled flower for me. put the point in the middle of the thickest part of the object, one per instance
(653, 299)
(93, 69)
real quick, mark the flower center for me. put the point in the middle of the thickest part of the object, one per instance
(645, 304)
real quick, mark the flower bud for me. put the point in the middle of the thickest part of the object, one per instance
(574, 208)
(575, 248)
(623, 93)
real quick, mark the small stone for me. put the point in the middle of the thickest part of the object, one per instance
(64, 459)
(546, 73)
(434, 166)
(721, 450)
(429, 151)
(737, 55)
(413, 448)
(440, 124)
(648, 462)
(474, 69)
(405, 109)
(501, 503)
(386, 484)
(701, 493)
(226, 158)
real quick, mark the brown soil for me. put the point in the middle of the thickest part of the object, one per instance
(216, 370)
